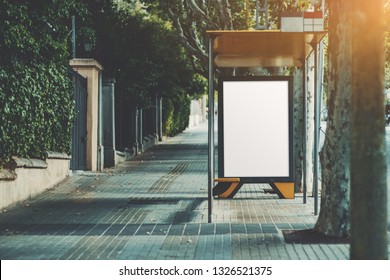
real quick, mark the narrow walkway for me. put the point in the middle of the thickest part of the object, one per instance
(155, 207)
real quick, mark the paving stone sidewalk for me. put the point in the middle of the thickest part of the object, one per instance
(155, 207)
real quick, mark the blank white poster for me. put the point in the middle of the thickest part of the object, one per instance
(256, 128)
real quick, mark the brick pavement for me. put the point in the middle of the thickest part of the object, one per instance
(155, 207)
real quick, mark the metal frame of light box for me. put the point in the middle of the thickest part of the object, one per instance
(221, 138)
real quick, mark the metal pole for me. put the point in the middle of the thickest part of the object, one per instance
(211, 130)
(156, 111)
(317, 109)
(113, 117)
(141, 129)
(136, 126)
(73, 37)
(160, 131)
(304, 173)
(100, 124)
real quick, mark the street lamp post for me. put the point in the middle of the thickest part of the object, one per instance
(73, 37)
(88, 42)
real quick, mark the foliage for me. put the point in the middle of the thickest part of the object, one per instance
(143, 54)
(176, 114)
(191, 19)
(36, 105)
(37, 110)
(86, 35)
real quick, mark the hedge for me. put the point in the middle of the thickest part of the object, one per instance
(176, 114)
(36, 110)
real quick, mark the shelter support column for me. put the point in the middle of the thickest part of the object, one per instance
(317, 111)
(211, 129)
(304, 172)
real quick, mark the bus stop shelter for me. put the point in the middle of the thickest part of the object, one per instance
(261, 48)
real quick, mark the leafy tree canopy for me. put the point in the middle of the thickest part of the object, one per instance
(141, 51)
(191, 19)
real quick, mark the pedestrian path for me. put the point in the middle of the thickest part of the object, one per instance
(155, 207)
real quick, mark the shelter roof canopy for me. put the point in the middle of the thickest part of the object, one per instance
(262, 48)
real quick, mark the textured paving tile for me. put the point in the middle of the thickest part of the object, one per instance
(155, 207)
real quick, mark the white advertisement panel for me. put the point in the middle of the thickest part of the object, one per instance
(256, 128)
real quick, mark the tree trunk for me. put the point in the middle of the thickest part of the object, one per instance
(334, 211)
(368, 147)
(298, 129)
(310, 102)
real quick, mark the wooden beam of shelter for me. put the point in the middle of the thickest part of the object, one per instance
(262, 48)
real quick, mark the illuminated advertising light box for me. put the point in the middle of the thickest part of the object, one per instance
(255, 129)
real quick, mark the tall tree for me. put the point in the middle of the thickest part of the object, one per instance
(334, 211)
(191, 19)
(368, 146)
(140, 52)
(355, 161)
